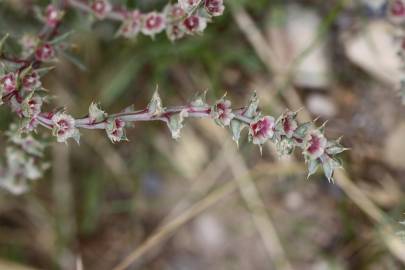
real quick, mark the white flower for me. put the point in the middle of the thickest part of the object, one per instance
(9, 83)
(214, 7)
(64, 127)
(153, 23)
(314, 144)
(287, 124)
(31, 106)
(195, 24)
(132, 25)
(115, 130)
(222, 112)
(189, 5)
(262, 130)
(31, 81)
(101, 8)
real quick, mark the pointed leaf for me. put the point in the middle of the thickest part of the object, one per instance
(61, 38)
(2, 42)
(175, 123)
(313, 165)
(251, 109)
(155, 105)
(199, 100)
(96, 114)
(236, 128)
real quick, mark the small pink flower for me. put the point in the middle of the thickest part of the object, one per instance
(115, 130)
(397, 8)
(131, 25)
(101, 8)
(45, 53)
(174, 12)
(53, 16)
(9, 83)
(31, 107)
(195, 24)
(189, 5)
(262, 130)
(31, 81)
(222, 112)
(315, 144)
(153, 24)
(396, 11)
(174, 32)
(31, 124)
(214, 7)
(63, 126)
(288, 124)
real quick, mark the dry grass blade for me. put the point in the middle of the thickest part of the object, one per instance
(257, 209)
(211, 199)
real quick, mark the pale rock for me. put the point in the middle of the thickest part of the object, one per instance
(294, 200)
(314, 69)
(394, 150)
(375, 50)
(321, 105)
(374, 4)
(210, 234)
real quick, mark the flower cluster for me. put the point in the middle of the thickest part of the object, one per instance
(21, 89)
(177, 20)
(23, 161)
(284, 131)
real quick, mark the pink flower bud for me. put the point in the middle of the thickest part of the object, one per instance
(9, 83)
(63, 126)
(53, 16)
(153, 23)
(195, 24)
(31, 81)
(214, 7)
(262, 130)
(101, 8)
(315, 144)
(131, 25)
(45, 53)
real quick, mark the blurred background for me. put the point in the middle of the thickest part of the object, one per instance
(227, 208)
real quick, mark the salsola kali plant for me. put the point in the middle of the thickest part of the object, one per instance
(22, 90)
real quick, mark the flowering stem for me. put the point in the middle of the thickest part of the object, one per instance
(45, 119)
(21, 89)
